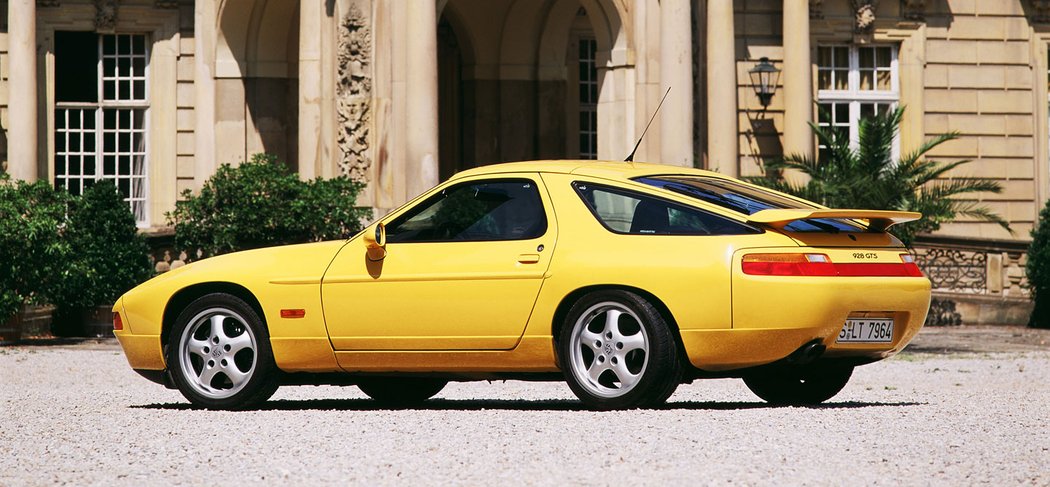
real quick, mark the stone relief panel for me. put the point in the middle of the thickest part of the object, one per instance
(1041, 10)
(354, 93)
(105, 15)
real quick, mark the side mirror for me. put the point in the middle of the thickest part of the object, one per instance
(375, 242)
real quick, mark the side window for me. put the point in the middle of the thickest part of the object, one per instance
(474, 211)
(628, 212)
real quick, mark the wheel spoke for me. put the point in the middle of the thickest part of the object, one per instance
(196, 347)
(612, 320)
(207, 374)
(632, 342)
(236, 376)
(238, 343)
(217, 330)
(627, 379)
(590, 339)
(595, 370)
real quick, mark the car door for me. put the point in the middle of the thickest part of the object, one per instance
(462, 270)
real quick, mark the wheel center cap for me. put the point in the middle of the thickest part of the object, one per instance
(608, 349)
(216, 353)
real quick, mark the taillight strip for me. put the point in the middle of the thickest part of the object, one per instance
(821, 265)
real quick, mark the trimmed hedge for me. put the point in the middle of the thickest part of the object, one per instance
(260, 203)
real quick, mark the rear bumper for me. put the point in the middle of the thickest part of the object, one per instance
(774, 316)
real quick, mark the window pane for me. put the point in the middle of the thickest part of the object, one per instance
(841, 57)
(744, 199)
(824, 80)
(884, 83)
(824, 57)
(841, 79)
(76, 66)
(623, 211)
(480, 211)
(883, 56)
(867, 58)
(841, 113)
(867, 82)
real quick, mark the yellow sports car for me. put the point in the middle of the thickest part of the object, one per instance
(623, 279)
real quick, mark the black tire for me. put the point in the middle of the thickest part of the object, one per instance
(632, 364)
(401, 391)
(799, 386)
(234, 368)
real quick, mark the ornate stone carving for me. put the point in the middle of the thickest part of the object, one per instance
(1040, 10)
(105, 15)
(354, 93)
(864, 14)
(913, 9)
(816, 9)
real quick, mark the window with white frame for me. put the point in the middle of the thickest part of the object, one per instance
(101, 108)
(855, 82)
(588, 99)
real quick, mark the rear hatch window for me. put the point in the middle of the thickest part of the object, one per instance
(748, 200)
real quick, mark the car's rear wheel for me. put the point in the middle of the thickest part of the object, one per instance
(219, 354)
(401, 391)
(800, 385)
(618, 352)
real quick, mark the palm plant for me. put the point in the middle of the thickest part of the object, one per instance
(868, 177)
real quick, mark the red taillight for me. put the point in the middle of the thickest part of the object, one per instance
(788, 265)
(821, 265)
(118, 324)
(910, 266)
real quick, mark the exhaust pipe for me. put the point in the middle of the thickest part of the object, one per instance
(807, 353)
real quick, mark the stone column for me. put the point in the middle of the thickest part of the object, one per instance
(798, 79)
(310, 89)
(22, 102)
(676, 72)
(722, 130)
(204, 15)
(421, 96)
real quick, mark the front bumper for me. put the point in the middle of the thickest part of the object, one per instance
(143, 352)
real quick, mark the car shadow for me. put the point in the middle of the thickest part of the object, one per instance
(509, 405)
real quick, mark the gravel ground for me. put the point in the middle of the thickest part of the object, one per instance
(79, 415)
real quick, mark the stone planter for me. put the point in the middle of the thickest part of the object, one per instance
(30, 322)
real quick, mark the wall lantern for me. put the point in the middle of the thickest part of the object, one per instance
(764, 78)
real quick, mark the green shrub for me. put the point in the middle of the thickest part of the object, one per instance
(868, 177)
(109, 257)
(32, 251)
(1038, 269)
(260, 204)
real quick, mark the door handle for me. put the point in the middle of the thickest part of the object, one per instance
(528, 258)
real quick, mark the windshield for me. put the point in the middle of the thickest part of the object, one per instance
(747, 200)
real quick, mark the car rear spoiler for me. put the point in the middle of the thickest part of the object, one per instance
(878, 220)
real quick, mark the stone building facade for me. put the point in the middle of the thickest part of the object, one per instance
(403, 93)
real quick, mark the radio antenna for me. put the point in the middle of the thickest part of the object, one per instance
(630, 158)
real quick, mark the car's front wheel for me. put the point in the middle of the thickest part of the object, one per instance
(618, 352)
(219, 354)
(800, 385)
(401, 391)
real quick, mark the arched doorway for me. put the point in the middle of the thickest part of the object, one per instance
(256, 80)
(526, 79)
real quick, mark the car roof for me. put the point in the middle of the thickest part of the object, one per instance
(602, 169)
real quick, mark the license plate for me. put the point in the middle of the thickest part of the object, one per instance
(867, 330)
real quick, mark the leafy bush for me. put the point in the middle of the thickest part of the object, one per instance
(868, 177)
(109, 257)
(32, 250)
(1038, 269)
(261, 204)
